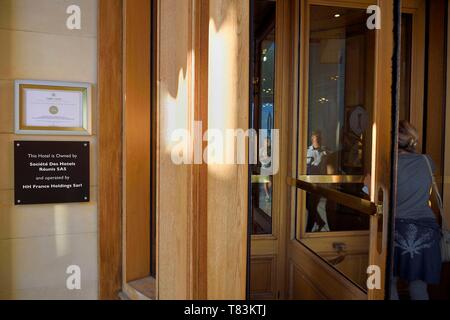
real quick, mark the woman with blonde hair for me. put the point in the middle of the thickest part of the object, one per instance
(417, 254)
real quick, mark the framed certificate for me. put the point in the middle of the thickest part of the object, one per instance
(52, 108)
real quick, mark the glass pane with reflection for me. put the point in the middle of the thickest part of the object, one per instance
(340, 109)
(350, 257)
(263, 114)
(338, 146)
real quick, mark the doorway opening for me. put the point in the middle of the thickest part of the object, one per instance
(316, 73)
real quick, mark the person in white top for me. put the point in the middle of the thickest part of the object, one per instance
(317, 165)
(316, 156)
(265, 155)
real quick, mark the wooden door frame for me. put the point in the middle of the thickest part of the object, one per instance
(271, 248)
(305, 261)
(110, 75)
(124, 206)
(122, 150)
(328, 287)
(138, 150)
(205, 206)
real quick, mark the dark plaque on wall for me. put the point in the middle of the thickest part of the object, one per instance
(51, 172)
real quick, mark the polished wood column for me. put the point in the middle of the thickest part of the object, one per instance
(228, 184)
(110, 148)
(136, 138)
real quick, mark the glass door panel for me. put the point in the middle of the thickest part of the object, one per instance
(262, 194)
(263, 114)
(335, 146)
(265, 264)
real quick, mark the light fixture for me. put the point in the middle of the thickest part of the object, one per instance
(337, 15)
(323, 100)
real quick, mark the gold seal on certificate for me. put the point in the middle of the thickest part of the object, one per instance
(44, 107)
(53, 110)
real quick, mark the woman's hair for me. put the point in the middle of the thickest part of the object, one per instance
(408, 137)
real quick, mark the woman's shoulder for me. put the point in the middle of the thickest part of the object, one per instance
(420, 159)
(430, 161)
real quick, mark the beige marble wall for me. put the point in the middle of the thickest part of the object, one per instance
(38, 243)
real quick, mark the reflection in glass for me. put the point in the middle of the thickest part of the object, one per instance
(341, 254)
(338, 145)
(263, 114)
(340, 108)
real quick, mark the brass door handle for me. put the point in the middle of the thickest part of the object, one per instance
(342, 254)
(338, 260)
(344, 199)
